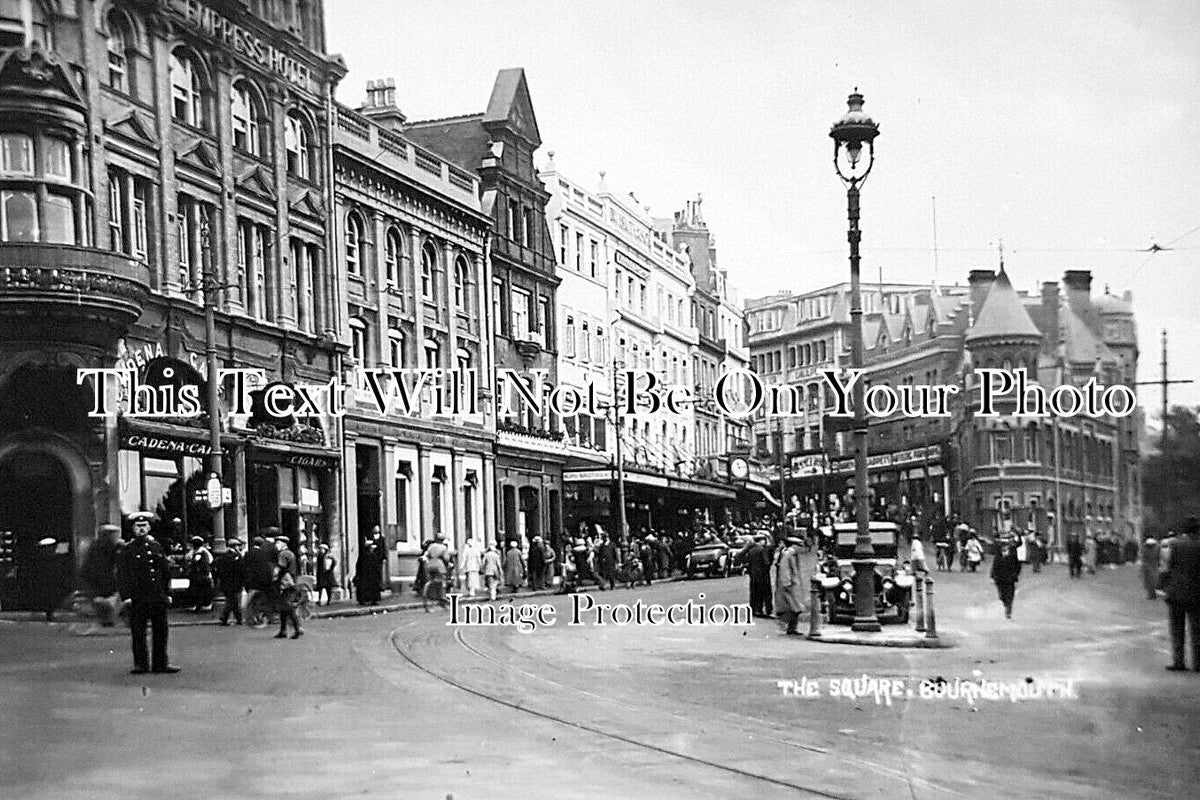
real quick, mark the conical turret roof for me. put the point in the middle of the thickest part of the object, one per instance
(1003, 315)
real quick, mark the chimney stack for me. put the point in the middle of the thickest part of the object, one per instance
(981, 281)
(381, 104)
(1050, 302)
(1079, 296)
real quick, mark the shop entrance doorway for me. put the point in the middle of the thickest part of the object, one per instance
(36, 503)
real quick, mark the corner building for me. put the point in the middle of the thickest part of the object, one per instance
(141, 145)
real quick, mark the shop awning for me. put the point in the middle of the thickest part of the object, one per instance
(770, 498)
(649, 479)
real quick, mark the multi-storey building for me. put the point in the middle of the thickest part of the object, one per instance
(411, 246)
(624, 284)
(1080, 469)
(499, 145)
(145, 146)
(1078, 472)
(721, 343)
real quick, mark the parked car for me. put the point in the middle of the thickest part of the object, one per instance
(714, 559)
(893, 587)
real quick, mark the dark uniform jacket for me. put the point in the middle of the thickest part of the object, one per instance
(1183, 577)
(143, 572)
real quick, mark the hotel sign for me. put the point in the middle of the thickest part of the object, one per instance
(224, 31)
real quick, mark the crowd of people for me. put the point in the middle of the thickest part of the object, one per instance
(130, 579)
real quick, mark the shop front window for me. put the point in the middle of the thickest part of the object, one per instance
(166, 487)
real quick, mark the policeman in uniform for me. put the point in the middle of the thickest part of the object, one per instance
(145, 580)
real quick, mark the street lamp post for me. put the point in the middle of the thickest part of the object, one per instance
(210, 288)
(849, 134)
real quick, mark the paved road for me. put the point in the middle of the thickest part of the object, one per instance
(401, 705)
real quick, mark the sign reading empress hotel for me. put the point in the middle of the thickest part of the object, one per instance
(224, 31)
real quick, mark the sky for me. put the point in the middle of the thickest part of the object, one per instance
(1062, 129)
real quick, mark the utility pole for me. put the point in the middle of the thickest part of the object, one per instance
(1164, 383)
(780, 457)
(622, 526)
(210, 288)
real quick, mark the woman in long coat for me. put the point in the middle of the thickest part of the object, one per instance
(789, 585)
(368, 577)
(514, 567)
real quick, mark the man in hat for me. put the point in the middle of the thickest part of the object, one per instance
(230, 569)
(50, 584)
(144, 578)
(286, 591)
(1183, 593)
(326, 574)
(606, 562)
(1006, 569)
(537, 564)
(470, 559)
(437, 569)
(789, 585)
(259, 566)
(758, 567)
(514, 567)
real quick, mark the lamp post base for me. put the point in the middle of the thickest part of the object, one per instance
(864, 597)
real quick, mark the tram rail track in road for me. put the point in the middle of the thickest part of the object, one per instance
(904, 779)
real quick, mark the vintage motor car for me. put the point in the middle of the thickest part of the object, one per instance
(893, 587)
(712, 558)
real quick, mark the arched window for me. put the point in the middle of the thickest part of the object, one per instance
(297, 139)
(463, 361)
(432, 354)
(391, 257)
(462, 282)
(249, 128)
(428, 265)
(354, 242)
(358, 340)
(188, 90)
(119, 38)
(395, 348)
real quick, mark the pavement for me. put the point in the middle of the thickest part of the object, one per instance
(406, 705)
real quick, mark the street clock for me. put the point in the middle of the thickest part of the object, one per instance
(739, 468)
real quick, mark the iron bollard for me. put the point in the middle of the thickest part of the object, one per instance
(814, 608)
(919, 588)
(930, 619)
